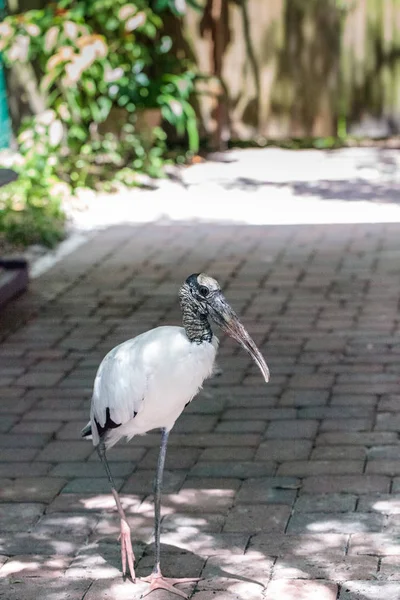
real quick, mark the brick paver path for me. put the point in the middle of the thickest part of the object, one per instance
(280, 492)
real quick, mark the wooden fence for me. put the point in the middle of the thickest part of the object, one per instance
(294, 68)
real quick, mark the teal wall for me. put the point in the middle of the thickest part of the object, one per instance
(5, 126)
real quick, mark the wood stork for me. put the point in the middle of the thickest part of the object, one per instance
(146, 382)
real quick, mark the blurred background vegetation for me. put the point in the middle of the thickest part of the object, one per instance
(104, 93)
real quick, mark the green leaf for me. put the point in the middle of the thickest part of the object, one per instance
(142, 79)
(160, 5)
(100, 109)
(191, 127)
(78, 132)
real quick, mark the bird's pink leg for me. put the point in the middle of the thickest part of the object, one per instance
(127, 554)
(159, 582)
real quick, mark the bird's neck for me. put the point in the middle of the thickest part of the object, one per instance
(196, 326)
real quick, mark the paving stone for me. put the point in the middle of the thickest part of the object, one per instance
(389, 568)
(75, 525)
(235, 573)
(259, 413)
(254, 593)
(204, 406)
(387, 422)
(232, 453)
(254, 401)
(105, 589)
(307, 544)
(335, 522)
(393, 522)
(359, 484)
(37, 427)
(364, 424)
(300, 398)
(357, 438)
(21, 440)
(15, 516)
(241, 426)
(284, 589)
(63, 414)
(321, 567)
(30, 489)
(376, 544)
(89, 469)
(35, 566)
(385, 453)
(254, 518)
(120, 453)
(97, 561)
(340, 453)
(23, 469)
(177, 458)
(141, 482)
(212, 439)
(388, 504)
(358, 590)
(195, 423)
(15, 405)
(339, 412)
(204, 544)
(361, 401)
(327, 503)
(203, 483)
(386, 467)
(241, 470)
(91, 485)
(317, 467)
(24, 589)
(311, 382)
(200, 522)
(141, 521)
(292, 429)
(389, 403)
(280, 450)
(269, 490)
(17, 455)
(7, 422)
(201, 501)
(93, 503)
(187, 565)
(16, 543)
(40, 379)
(58, 451)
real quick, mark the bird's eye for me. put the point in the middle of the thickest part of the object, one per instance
(203, 291)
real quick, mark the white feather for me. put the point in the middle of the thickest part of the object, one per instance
(154, 375)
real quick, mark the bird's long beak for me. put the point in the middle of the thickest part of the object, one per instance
(226, 318)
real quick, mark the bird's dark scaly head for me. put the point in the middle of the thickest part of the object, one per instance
(203, 294)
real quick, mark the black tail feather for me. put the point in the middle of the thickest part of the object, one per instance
(87, 431)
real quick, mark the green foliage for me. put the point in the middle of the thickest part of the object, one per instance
(101, 61)
(30, 207)
(25, 219)
(100, 54)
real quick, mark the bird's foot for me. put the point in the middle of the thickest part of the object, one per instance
(127, 554)
(159, 582)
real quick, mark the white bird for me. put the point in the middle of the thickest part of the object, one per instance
(146, 382)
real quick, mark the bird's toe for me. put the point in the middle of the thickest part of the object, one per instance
(158, 582)
(127, 555)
